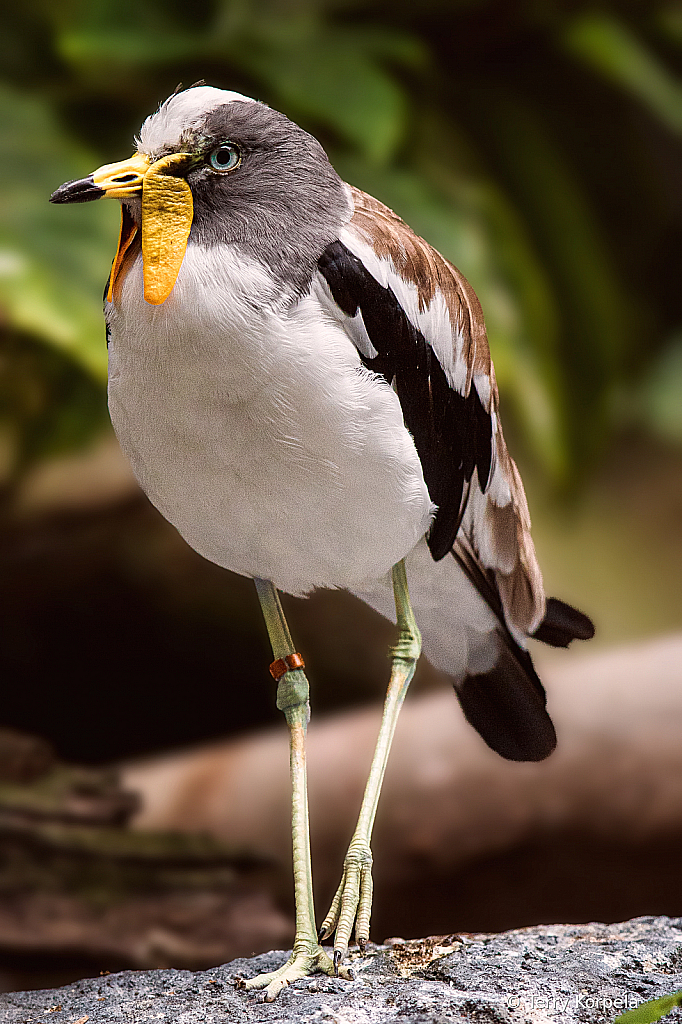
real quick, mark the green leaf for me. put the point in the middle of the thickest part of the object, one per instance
(304, 66)
(603, 42)
(566, 238)
(53, 260)
(520, 307)
(651, 1011)
(299, 59)
(661, 393)
(48, 404)
(97, 51)
(670, 20)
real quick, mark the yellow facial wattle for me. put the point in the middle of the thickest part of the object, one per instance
(167, 212)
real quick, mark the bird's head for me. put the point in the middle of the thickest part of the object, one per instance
(217, 167)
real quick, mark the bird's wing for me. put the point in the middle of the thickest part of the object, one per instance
(417, 322)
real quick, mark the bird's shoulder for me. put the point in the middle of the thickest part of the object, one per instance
(431, 292)
(417, 322)
(429, 276)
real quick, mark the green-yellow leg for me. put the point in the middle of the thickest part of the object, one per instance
(307, 956)
(353, 899)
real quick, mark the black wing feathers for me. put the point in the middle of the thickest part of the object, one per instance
(452, 432)
(562, 623)
(453, 435)
(506, 706)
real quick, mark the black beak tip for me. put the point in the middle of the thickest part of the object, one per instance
(82, 191)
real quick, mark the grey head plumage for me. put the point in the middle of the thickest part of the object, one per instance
(283, 203)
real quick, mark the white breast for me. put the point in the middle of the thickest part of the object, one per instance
(253, 427)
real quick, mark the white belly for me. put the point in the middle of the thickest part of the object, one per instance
(253, 428)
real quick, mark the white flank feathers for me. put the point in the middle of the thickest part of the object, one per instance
(455, 622)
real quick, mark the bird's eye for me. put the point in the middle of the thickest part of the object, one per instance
(225, 157)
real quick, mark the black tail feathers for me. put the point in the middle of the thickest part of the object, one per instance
(506, 705)
(562, 623)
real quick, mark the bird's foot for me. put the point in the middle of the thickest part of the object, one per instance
(307, 958)
(352, 902)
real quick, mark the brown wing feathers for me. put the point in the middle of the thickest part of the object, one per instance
(482, 516)
(452, 432)
(423, 266)
(456, 433)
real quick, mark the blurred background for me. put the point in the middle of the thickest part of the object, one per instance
(539, 147)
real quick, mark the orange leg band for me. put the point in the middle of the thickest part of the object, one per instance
(284, 665)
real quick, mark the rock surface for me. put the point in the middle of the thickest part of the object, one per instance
(560, 973)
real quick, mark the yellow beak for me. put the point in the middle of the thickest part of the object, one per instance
(167, 213)
(123, 179)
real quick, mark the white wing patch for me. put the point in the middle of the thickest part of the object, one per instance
(435, 324)
(353, 326)
(482, 385)
(433, 321)
(498, 489)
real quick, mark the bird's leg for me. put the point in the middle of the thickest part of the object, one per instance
(307, 956)
(353, 899)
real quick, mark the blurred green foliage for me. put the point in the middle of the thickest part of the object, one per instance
(651, 1011)
(537, 145)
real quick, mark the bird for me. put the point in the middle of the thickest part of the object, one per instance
(304, 389)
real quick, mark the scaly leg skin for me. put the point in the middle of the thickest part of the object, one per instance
(307, 956)
(353, 899)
